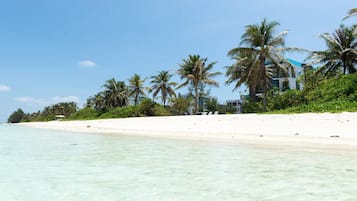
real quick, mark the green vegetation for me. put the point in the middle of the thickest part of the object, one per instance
(256, 60)
(17, 116)
(329, 87)
(195, 72)
(136, 88)
(330, 95)
(49, 113)
(162, 84)
(340, 55)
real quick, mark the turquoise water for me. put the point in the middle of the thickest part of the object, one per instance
(40, 165)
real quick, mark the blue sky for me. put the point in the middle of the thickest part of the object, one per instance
(54, 51)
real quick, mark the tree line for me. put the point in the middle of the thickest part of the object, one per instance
(260, 54)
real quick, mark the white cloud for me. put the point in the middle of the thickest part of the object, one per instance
(46, 101)
(65, 99)
(87, 64)
(4, 88)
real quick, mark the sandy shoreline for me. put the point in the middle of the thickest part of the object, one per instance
(312, 130)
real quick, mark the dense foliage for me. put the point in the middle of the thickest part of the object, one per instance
(16, 116)
(49, 113)
(330, 95)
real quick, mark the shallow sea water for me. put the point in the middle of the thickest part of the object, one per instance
(42, 165)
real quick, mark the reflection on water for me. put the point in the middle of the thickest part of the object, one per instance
(38, 165)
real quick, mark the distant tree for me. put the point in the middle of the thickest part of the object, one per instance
(212, 104)
(195, 72)
(340, 55)
(115, 93)
(136, 88)
(98, 102)
(161, 84)
(17, 116)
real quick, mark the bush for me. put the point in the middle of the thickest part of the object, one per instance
(180, 105)
(336, 106)
(160, 110)
(85, 113)
(121, 112)
(290, 98)
(146, 107)
(252, 107)
(341, 89)
(212, 104)
(330, 95)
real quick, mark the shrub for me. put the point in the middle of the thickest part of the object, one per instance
(121, 112)
(180, 105)
(85, 113)
(146, 107)
(160, 110)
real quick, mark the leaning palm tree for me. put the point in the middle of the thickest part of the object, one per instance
(259, 39)
(340, 55)
(115, 93)
(161, 84)
(195, 72)
(136, 87)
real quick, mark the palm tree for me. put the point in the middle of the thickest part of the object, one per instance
(244, 71)
(340, 55)
(97, 102)
(136, 87)
(259, 39)
(115, 93)
(195, 72)
(161, 84)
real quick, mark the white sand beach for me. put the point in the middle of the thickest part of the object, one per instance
(317, 130)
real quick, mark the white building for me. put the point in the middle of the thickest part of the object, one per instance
(291, 80)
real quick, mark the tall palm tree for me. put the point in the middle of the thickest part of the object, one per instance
(115, 93)
(260, 39)
(340, 55)
(161, 84)
(136, 87)
(195, 72)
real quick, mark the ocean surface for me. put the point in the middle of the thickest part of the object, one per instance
(41, 165)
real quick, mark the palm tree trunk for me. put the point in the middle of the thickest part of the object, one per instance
(196, 99)
(264, 87)
(252, 93)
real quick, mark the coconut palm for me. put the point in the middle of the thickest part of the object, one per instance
(136, 87)
(340, 55)
(115, 93)
(195, 72)
(97, 102)
(244, 71)
(161, 84)
(268, 48)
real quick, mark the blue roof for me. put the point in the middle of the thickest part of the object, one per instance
(295, 63)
